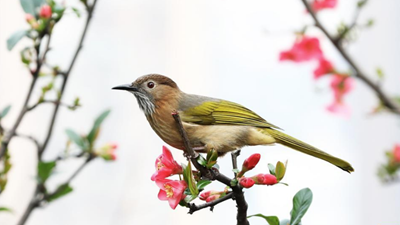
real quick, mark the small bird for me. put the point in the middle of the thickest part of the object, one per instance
(210, 123)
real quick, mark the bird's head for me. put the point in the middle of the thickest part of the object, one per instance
(149, 89)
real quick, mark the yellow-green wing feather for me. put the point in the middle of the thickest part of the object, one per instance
(215, 111)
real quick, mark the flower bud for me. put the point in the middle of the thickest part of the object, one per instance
(212, 198)
(29, 17)
(396, 153)
(45, 12)
(249, 163)
(107, 152)
(265, 179)
(31, 20)
(246, 182)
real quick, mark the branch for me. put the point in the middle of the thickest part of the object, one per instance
(34, 140)
(234, 155)
(214, 175)
(55, 102)
(194, 207)
(386, 101)
(66, 76)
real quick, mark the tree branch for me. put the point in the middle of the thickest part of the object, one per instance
(386, 101)
(55, 102)
(238, 195)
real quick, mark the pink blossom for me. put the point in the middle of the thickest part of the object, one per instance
(249, 163)
(340, 85)
(319, 5)
(338, 108)
(212, 198)
(171, 191)
(265, 179)
(45, 12)
(166, 165)
(29, 17)
(304, 49)
(246, 182)
(107, 152)
(396, 153)
(324, 67)
(204, 195)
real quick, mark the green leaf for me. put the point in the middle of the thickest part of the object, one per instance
(272, 220)
(189, 198)
(234, 182)
(380, 73)
(201, 160)
(271, 169)
(31, 6)
(370, 22)
(4, 209)
(5, 111)
(96, 126)
(61, 191)
(73, 136)
(236, 170)
(15, 38)
(301, 202)
(280, 170)
(361, 3)
(44, 170)
(77, 12)
(202, 184)
(188, 177)
(212, 157)
(284, 222)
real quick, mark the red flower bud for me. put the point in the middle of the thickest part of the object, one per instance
(204, 195)
(45, 12)
(396, 153)
(212, 198)
(246, 182)
(265, 179)
(249, 163)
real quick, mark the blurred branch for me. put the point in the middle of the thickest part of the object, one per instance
(55, 102)
(386, 101)
(34, 140)
(211, 174)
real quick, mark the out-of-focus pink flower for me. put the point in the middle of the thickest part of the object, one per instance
(266, 179)
(246, 182)
(304, 49)
(324, 67)
(31, 20)
(396, 153)
(249, 163)
(45, 12)
(340, 85)
(29, 17)
(107, 152)
(319, 5)
(171, 191)
(166, 165)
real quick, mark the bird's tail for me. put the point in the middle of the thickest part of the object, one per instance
(298, 145)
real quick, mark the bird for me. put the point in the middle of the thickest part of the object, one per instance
(210, 123)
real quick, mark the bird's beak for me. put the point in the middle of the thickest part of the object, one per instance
(126, 87)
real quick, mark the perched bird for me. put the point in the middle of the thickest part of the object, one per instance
(210, 123)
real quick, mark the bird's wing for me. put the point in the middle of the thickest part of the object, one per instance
(208, 111)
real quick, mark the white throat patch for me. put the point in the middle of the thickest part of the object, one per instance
(145, 104)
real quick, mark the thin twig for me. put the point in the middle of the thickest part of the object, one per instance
(386, 101)
(34, 140)
(66, 76)
(238, 194)
(55, 102)
(193, 207)
(234, 155)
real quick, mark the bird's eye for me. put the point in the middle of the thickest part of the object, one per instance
(150, 85)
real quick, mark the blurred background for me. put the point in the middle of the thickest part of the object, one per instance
(225, 49)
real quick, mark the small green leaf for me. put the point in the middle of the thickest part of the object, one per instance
(236, 170)
(234, 182)
(201, 160)
(301, 202)
(77, 12)
(96, 126)
(188, 177)
(61, 191)
(4, 209)
(212, 157)
(271, 169)
(271, 220)
(370, 22)
(5, 111)
(190, 198)
(15, 38)
(44, 170)
(202, 184)
(78, 140)
(361, 3)
(31, 6)
(380, 73)
(280, 170)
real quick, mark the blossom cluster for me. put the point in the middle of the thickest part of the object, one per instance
(307, 48)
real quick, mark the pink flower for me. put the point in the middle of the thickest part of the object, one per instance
(212, 198)
(107, 152)
(246, 182)
(265, 179)
(204, 195)
(249, 163)
(324, 67)
(45, 12)
(171, 191)
(29, 17)
(319, 5)
(340, 85)
(304, 49)
(166, 165)
(396, 153)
